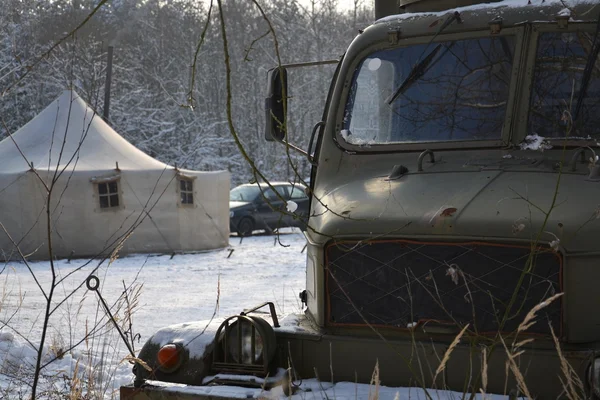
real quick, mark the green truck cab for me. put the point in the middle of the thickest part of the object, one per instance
(454, 212)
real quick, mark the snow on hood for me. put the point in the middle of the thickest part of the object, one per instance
(291, 323)
(194, 336)
(198, 335)
(536, 143)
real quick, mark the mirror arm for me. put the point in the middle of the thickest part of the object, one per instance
(309, 64)
(299, 150)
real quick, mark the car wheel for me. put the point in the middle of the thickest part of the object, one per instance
(245, 227)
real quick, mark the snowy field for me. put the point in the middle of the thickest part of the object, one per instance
(175, 290)
(179, 289)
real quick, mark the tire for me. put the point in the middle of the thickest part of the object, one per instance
(245, 227)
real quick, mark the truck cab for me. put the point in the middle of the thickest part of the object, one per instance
(452, 237)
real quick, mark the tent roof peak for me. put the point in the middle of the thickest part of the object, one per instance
(68, 132)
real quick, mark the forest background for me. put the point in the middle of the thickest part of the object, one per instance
(159, 101)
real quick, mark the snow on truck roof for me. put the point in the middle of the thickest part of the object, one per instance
(543, 11)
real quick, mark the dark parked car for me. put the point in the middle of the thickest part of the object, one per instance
(249, 211)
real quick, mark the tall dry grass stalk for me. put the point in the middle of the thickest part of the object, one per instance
(511, 364)
(448, 352)
(76, 389)
(529, 319)
(516, 349)
(572, 384)
(375, 382)
(484, 371)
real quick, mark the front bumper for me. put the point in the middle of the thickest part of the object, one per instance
(310, 353)
(184, 392)
(220, 386)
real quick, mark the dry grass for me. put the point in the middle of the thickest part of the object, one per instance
(76, 392)
(484, 371)
(572, 384)
(448, 352)
(517, 349)
(529, 319)
(375, 383)
(512, 365)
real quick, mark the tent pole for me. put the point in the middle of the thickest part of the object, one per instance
(109, 58)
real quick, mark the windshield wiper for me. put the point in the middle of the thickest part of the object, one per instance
(418, 71)
(587, 72)
(422, 66)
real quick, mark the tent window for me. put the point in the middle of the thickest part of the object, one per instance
(186, 191)
(108, 194)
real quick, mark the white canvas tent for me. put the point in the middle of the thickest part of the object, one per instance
(106, 190)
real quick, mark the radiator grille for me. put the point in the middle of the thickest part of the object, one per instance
(399, 283)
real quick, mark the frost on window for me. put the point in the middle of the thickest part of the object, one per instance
(459, 91)
(367, 120)
(557, 82)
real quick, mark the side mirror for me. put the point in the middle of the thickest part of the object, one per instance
(276, 105)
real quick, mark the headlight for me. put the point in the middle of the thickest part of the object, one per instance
(231, 214)
(594, 376)
(244, 344)
(242, 339)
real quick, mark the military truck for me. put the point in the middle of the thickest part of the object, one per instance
(453, 235)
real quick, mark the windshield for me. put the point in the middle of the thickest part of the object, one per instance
(560, 61)
(244, 193)
(453, 90)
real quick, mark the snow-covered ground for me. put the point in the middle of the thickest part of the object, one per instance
(175, 290)
(179, 289)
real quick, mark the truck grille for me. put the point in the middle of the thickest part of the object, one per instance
(400, 283)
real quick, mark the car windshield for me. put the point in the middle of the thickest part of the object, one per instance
(443, 91)
(560, 61)
(244, 193)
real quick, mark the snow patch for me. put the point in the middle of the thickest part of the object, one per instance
(279, 375)
(291, 206)
(314, 389)
(348, 137)
(535, 142)
(17, 359)
(565, 12)
(291, 323)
